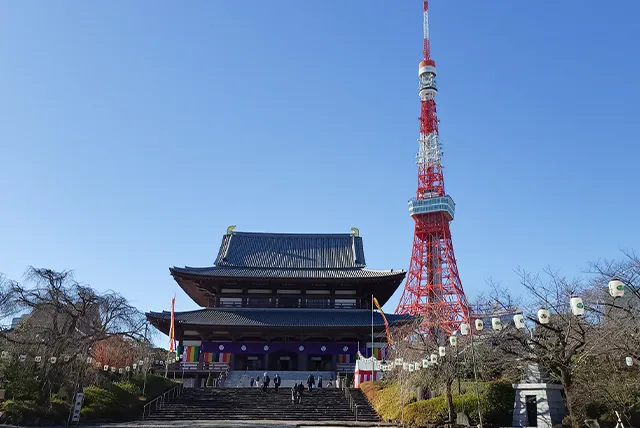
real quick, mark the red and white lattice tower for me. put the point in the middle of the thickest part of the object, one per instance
(433, 289)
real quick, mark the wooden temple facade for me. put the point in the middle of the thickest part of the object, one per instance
(282, 302)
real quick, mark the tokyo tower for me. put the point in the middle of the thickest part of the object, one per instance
(433, 289)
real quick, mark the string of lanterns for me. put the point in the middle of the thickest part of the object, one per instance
(616, 289)
(5, 356)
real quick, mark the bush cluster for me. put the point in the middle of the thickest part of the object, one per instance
(107, 401)
(496, 405)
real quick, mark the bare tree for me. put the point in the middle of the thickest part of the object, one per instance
(64, 320)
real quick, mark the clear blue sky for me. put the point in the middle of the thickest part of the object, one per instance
(133, 133)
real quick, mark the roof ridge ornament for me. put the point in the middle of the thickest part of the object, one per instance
(355, 232)
(230, 229)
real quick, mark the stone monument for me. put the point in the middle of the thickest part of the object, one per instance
(538, 403)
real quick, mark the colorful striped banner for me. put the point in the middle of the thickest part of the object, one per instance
(192, 354)
(224, 357)
(208, 357)
(344, 359)
(378, 353)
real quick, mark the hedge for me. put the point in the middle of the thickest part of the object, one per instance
(28, 412)
(496, 405)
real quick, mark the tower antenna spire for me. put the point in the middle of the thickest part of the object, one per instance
(433, 289)
(427, 43)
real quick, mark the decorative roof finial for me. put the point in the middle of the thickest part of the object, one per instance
(230, 229)
(355, 232)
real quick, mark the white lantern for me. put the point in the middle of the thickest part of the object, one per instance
(89, 360)
(543, 316)
(134, 365)
(120, 371)
(416, 366)
(106, 368)
(464, 329)
(434, 359)
(53, 360)
(140, 362)
(22, 358)
(442, 351)
(518, 320)
(113, 369)
(616, 288)
(425, 363)
(399, 361)
(453, 340)
(38, 359)
(128, 369)
(629, 361)
(479, 325)
(577, 307)
(496, 324)
(411, 366)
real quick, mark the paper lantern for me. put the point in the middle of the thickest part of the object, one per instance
(577, 307)
(38, 359)
(106, 368)
(411, 366)
(22, 358)
(543, 316)
(518, 320)
(434, 359)
(479, 325)
(616, 288)
(416, 366)
(629, 361)
(405, 366)
(127, 369)
(120, 371)
(134, 366)
(464, 329)
(453, 340)
(442, 351)
(496, 324)
(53, 360)
(425, 363)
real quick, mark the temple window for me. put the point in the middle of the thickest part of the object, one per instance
(345, 303)
(231, 302)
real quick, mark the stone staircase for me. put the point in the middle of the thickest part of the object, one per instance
(254, 404)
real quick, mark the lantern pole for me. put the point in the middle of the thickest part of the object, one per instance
(475, 377)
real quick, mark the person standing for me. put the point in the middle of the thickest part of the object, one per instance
(310, 381)
(251, 382)
(320, 382)
(265, 382)
(276, 382)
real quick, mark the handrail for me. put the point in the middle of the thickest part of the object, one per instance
(163, 399)
(347, 393)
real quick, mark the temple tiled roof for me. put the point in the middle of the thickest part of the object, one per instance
(231, 272)
(279, 317)
(291, 251)
(286, 255)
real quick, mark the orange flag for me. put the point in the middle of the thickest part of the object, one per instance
(172, 331)
(386, 324)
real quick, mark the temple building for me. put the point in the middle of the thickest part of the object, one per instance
(285, 302)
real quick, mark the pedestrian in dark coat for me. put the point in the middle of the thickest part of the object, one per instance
(265, 382)
(276, 382)
(310, 382)
(320, 382)
(252, 382)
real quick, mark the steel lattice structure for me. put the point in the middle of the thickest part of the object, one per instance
(433, 289)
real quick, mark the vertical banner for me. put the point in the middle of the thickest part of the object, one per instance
(77, 406)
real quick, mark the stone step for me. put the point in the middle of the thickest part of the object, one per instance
(251, 403)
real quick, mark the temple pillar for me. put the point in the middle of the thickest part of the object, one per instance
(302, 361)
(266, 361)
